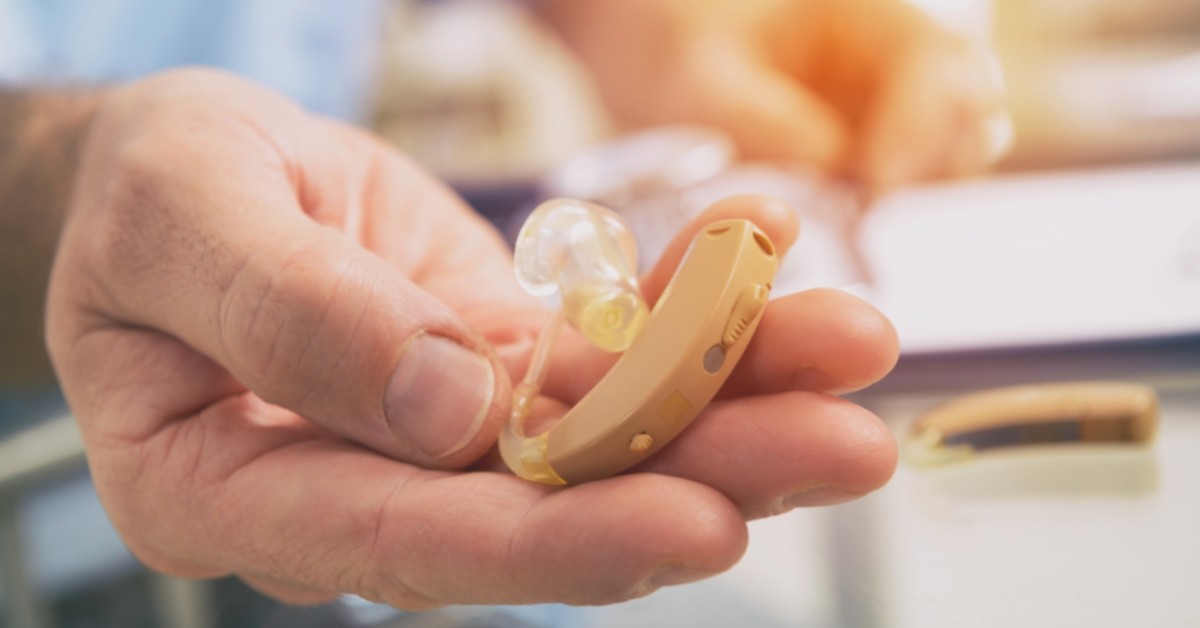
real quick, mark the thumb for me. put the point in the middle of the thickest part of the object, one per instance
(333, 333)
(225, 260)
(770, 114)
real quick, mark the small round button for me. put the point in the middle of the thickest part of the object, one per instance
(714, 358)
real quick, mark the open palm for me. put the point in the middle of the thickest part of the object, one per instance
(289, 351)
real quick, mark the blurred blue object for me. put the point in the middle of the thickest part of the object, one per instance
(69, 541)
(20, 409)
(322, 54)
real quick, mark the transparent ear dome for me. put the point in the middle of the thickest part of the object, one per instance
(587, 254)
(565, 235)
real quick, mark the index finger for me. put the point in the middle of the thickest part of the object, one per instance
(822, 340)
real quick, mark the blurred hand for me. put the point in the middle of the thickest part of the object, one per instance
(866, 88)
(289, 351)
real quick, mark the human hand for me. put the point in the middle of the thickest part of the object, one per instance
(289, 352)
(871, 89)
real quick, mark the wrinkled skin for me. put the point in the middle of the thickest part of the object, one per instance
(236, 283)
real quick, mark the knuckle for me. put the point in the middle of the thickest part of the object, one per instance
(288, 317)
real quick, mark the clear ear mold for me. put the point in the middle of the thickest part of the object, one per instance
(586, 254)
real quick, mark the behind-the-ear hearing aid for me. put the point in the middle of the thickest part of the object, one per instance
(675, 357)
(1034, 414)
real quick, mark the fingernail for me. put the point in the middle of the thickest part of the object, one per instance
(1000, 135)
(439, 395)
(670, 575)
(819, 495)
(812, 378)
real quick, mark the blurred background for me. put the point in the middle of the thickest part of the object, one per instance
(1078, 258)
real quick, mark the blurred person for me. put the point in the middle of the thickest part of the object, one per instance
(289, 349)
(869, 89)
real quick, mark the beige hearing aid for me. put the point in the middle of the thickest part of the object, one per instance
(1075, 412)
(677, 356)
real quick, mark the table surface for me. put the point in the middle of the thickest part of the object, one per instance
(1081, 536)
